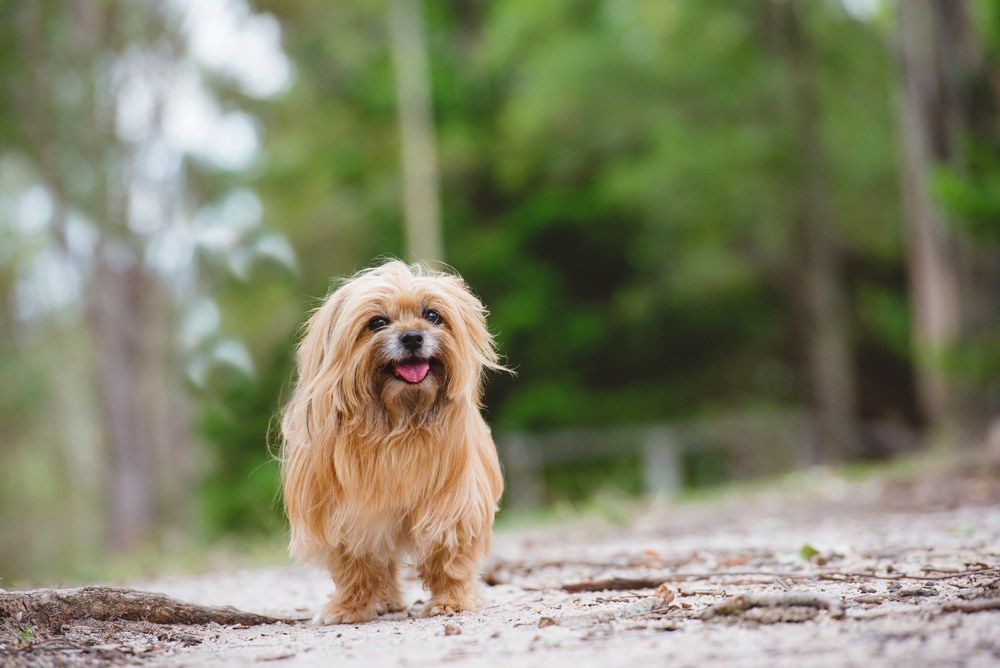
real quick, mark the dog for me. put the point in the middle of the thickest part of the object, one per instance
(385, 453)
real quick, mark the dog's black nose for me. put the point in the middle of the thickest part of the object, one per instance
(411, 340)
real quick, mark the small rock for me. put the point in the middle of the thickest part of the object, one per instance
(451, 630)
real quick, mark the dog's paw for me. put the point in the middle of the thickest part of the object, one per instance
(334, 613)
(447, 607)
(392, 605)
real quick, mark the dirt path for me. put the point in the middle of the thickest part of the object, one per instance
(943, 535)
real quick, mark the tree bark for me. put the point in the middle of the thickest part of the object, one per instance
(928, 123)
(122, 312)
(818, 288)
(421, 205)
(946, 95)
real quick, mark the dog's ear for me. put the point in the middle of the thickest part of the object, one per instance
(472, 336)
(316, 393)
(307, 425)
(313, 351)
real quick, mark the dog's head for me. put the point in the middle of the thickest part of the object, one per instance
(394, 342)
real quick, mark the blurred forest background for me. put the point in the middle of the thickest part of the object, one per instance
(679, 212)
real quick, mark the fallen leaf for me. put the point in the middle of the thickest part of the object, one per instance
(737, 560)
(546, 621)
(665, 593)
(652, 558)
(807, 552)
(451, 630)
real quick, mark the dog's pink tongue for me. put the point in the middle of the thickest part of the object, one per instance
(413, 372)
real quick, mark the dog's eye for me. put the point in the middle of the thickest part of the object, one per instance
(432, 316)
(378, 322)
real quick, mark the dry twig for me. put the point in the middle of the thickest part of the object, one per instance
(644, 606)
(979, 605)
(613, 584)
(744, 602)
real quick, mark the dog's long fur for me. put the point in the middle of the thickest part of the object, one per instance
(374, 468)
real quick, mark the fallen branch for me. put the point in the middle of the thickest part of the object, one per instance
(980, 605)
(613, 584)
(744, 602)
(628, 584)
(53, 607)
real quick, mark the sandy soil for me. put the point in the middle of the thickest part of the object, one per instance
(898, 559)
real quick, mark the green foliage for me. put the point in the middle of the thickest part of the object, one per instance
(975, 362)
(974, 196)
(24, 637)
(705, 468)
(617, 186)
(578, 483)
(239, 491)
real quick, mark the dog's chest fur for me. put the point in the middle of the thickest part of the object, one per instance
(388, 488)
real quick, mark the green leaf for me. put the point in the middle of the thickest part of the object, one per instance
(807, 552)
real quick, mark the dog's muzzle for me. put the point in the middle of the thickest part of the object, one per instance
(412, 340)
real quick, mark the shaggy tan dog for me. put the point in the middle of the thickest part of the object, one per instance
(385, 452)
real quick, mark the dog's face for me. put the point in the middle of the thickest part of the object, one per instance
(409, 349)
(396, 341)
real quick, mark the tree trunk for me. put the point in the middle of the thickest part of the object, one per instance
(819, 290)
(121, 312)
(421, 206)
(945, 97)
(172, 426)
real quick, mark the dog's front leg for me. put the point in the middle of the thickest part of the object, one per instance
(450, 573)
(366, 587)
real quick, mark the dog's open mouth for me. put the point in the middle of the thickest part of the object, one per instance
(411, 371)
